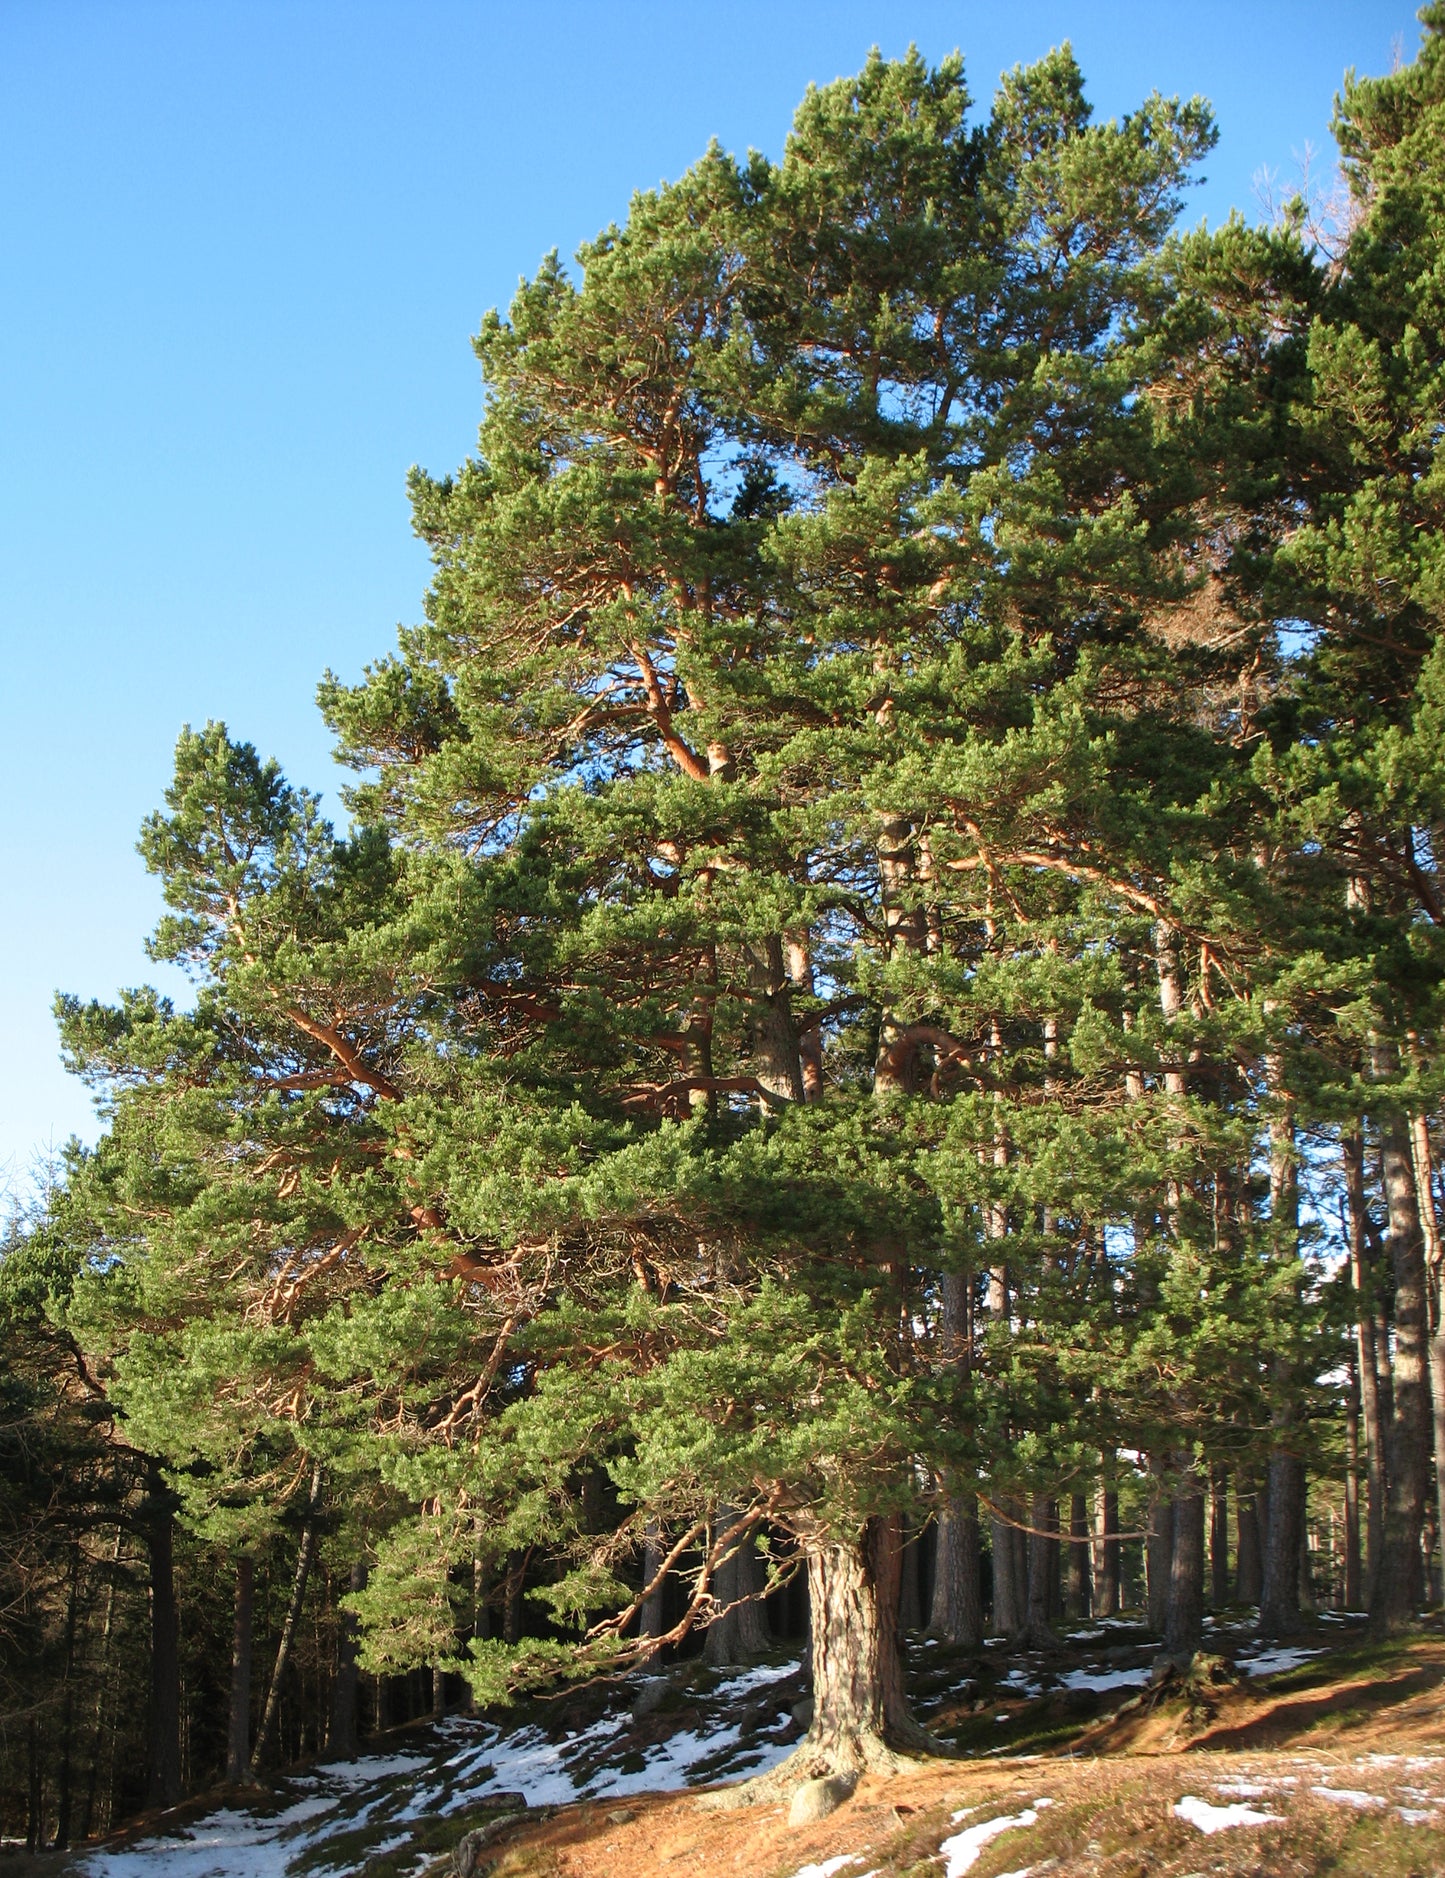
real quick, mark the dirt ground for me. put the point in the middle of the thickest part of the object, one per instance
(1345, 1758)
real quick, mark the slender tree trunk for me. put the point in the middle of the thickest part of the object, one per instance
(1107, 1587)
(512, 1600)
(1042, 1573)
(481, 1598)
(810, 1042)
(1249, 1550)
(652, 1623)
(1353, 1585)
(753, 1632)
(1218, 1537)
(293, 1616)
(34, 1788)
(1397, 1582)
(910, 1599)
(341, 1737)
(722, 1643)
(65, 1788)
(776, 1055)
(238, 1734)
(1435, 1304)
(1367, 1362)
(957, 1612)
(1184, 1618)
(102, 1691)
(1079, 1592)
(1306, 1581)
(1279, 1608)
(164, 1777)
(1158, 1549)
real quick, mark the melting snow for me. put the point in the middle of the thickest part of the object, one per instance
(1275, 1662)
(829, 1866)
(469, 1760)
(1101, 1679)
(1349, 1796)
(1217, 1818)
(962, 1851)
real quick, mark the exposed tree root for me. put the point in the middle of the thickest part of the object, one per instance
(842, 1756)
(1036, 1636)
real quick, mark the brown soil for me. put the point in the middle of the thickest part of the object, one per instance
(1365, 1722)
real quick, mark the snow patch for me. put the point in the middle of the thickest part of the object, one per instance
(829, 1866)
(1349, 1796)
(1101, 1679)
(1211, 1819)
(1275, 1662)
(963, 1850)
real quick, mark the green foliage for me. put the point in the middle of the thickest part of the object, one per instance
(852, 844)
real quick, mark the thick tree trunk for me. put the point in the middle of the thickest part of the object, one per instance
(1107, 1588)
(957, 1613)
(1037, 1633)
(163, 1784)
(304, 1553)
(1218, 1537)
(861, 1718)
(1279, 1599)
(341, 1740)
(1184, 1617)
(776, 1060)
(651, 1622)
(1397, 1583)
(238, 1731)
(740, 1632)
(1079, 1598)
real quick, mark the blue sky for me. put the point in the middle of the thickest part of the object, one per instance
(242, 249)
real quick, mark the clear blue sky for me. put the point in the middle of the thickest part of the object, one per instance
(243, 244)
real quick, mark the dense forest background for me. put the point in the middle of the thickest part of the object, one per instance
(871, 1055)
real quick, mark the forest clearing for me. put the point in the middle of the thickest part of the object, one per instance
(838, 1176)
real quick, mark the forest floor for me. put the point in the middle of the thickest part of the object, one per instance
(1327, 1755)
